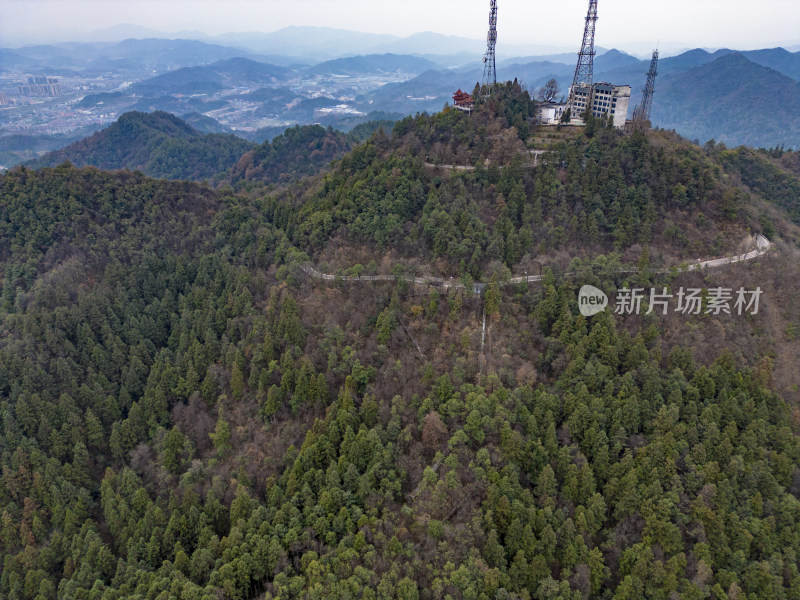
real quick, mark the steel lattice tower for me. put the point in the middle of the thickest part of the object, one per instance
(489, 70)
(584, 70)
(641, 113)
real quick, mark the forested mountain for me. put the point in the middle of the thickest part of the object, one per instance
(779, 59)
(158, 144)
(296, 152)
(746, 98)
(732, 100)
(382, 198)
(185, 413)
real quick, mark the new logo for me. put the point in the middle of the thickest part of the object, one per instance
(591, 301)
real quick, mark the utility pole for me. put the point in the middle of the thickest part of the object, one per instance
(489, 68)
(584, 70)
(641, 114)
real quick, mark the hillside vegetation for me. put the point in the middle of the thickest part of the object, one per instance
(596, 193)
(158, 144)
(184, 414)
(296, 152)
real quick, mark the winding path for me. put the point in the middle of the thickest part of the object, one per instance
(762, 247)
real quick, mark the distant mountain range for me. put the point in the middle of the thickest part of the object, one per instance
(373, 64)
(732, 100)
(748, 97)
(224, 74)
(735, 97)
(135, 55)
(294, 44)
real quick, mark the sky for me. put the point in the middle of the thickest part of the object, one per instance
(633, 25)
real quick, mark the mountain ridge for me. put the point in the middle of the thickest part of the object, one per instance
(700, 98)
(159, 144)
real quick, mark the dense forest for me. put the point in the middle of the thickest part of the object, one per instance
(158, 144)
(162, 145)
(603, 191)
(184, 414)
(296, 152)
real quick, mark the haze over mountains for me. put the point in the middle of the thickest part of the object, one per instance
(256, 85)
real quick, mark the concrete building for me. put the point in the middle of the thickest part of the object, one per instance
(550, 112)
(607, 100)
(40, 87)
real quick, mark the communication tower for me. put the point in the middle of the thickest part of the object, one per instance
(641, 114)
(584, 70)
(489, 69)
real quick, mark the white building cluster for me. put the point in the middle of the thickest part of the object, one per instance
(607, 100)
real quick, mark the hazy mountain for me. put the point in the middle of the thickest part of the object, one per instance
(123, 31)
(149, 54)
(732, 100)
(429, 42)
(689, 60)
(187, 52)
(535, 74)
(373, 64)
(102, 98)
(159, 144)
(613, 59)
(11, 59)
(779, 59)
(204, 124)
(70, 55)
(212, 78)
(158, 53)
(567, 58)
(176, 105)
(320, 42)
(425, 92)
(453, 61)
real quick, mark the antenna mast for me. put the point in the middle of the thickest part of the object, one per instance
(489, 70)
(584, 70)
(641, 114)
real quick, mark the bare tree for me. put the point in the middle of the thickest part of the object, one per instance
(433, 430)
(549, 92)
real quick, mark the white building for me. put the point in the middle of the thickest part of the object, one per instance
(549, 112)
(607, 100)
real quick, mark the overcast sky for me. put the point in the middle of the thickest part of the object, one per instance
(635, 25)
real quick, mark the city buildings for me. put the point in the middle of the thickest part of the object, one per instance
(40, 87)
